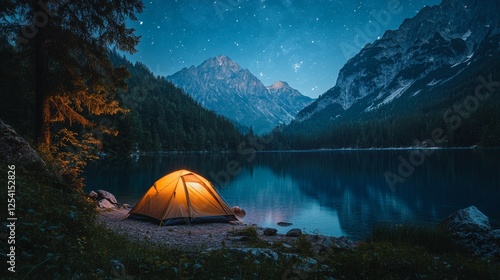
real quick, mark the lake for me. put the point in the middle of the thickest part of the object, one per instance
(340, 192)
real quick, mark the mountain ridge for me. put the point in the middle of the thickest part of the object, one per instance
(402, 59)
(222, 85)
(412, 80)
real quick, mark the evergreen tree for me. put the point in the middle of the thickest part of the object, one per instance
(67, 43)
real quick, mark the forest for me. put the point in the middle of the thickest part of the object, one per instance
(464, 116)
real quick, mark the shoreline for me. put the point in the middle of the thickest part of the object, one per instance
(475, 147)
(196, 237)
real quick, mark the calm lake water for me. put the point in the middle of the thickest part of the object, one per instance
(332, 192)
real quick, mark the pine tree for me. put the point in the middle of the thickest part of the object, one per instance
(67, 42)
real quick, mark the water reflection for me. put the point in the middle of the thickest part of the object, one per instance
(335, 192)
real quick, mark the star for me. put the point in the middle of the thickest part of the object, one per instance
(272, 37)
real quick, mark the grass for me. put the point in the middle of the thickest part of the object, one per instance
(410, 252)
(384, 260)
(434, 239)
(250, 236)
(303, 246)
(57, 238)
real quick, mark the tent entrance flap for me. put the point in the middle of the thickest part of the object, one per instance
(188, 201)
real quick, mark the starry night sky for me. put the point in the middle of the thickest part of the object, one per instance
(302, 42)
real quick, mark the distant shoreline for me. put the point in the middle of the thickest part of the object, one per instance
(319, 150)
(385, 149)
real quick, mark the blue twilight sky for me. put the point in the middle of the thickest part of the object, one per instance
(302, 42)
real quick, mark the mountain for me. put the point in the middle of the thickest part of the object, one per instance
(162, 117)
(220, 84)
(412, 69)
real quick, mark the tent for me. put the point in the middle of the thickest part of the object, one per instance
(182, 197)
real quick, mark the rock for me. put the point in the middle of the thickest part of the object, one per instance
(270, 231)
(118, 270)
(107, 195)
(15, 150)
(93, 195)
(295, 232)
(344, 243)
(268, 253)
(286, 245)
(471, 229)
(495, 234)
(467, 220)
(104, 203)
(284, 224)
(240, 212)
(126, 206)
(306, 266)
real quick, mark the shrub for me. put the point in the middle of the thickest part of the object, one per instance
(434, 239)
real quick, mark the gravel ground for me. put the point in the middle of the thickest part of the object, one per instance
(185, 237)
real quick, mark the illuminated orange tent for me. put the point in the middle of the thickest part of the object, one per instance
(182, 197)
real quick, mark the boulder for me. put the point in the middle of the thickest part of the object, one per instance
(467, 220)
(471, 228)
(93, 195)
(240, 212)
(267, 253)
(342, 242)
(104, 203)
(496, 235)
(107, 195)
(270, 231)
(308, 265)
(294, 232)
(15, 150)
(304, 267)
(118, 270)
(284, 224)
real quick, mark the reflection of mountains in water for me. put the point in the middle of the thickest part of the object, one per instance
(131, 178)
(273, 198)
(353, 184)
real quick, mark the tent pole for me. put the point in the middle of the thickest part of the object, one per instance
(188, 202)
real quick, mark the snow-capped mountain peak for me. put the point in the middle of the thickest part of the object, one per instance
(426, 51)
(220, 84)
(279, 85)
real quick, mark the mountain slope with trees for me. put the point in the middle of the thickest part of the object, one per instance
(420, 78)
(162, 117)
(158, 115)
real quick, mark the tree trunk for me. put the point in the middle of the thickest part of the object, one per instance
(42, 106)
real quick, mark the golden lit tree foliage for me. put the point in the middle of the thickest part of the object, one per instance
(67, 43)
